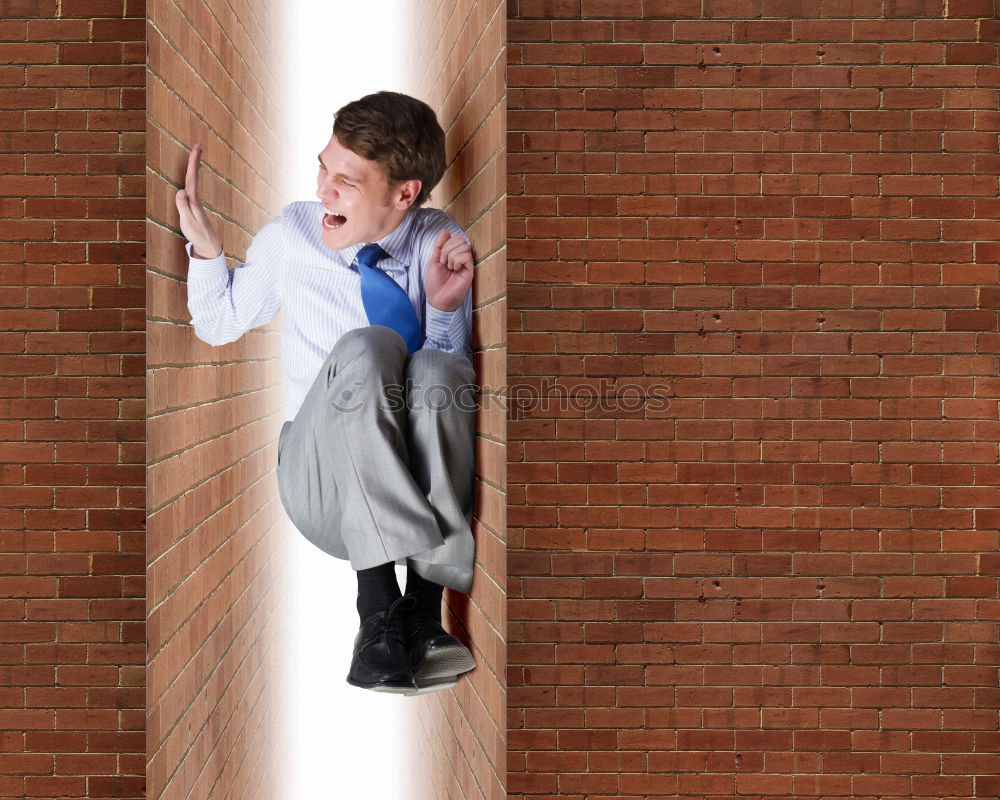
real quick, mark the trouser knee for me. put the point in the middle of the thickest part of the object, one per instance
(375, 344)
(440, 381)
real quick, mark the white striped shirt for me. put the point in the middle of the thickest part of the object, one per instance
(287, 265)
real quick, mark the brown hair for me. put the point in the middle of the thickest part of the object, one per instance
(398, 132)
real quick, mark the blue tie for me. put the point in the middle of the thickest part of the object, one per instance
(385, 301)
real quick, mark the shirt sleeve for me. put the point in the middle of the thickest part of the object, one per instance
(225, 303)
(450, 331)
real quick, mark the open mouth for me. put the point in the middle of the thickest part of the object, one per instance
(333, 221)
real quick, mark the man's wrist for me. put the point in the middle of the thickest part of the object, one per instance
(196, 254)
(436, 307)
(201, 264)
(437, 323)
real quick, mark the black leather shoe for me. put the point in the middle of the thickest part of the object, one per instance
(436, 657)
(381, 657)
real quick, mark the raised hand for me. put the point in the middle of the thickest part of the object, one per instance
(195, 224)
(449, 272)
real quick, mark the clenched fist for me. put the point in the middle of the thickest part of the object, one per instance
(449, 272)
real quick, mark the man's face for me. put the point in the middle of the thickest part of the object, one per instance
(361, 204)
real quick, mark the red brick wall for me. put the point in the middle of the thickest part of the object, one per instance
(71, 383)
(215, 558)
(784, 583)
(458, 68)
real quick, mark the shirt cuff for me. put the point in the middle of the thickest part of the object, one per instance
(437, 323)
(205, 267)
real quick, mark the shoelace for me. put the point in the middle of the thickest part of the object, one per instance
(406, 602)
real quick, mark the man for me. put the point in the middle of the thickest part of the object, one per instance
(376, 461)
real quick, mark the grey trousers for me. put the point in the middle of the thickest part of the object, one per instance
(379, 463)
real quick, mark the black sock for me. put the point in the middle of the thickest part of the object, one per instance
(428, 594)
(377, 588)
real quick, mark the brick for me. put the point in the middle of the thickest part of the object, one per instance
(56, 55)
(851, 179)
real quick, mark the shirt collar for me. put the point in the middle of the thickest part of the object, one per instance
(396, 245)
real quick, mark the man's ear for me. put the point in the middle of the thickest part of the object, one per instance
(405, 193)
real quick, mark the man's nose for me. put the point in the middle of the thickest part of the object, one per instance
(326, 189)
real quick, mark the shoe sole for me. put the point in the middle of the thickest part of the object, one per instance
(424, 686)
(384, 687)
(443, 664)
(438, 671)
(393, 689)
(435, 686)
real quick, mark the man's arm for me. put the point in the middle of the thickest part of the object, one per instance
(225, 303)
(448, 287)
(450, 331)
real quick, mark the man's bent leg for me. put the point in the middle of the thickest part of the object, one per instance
(441, 437)
(441, 433)
(342, 462)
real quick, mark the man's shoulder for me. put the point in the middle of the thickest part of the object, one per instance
(291, 216)
(434, 220)
(301, 209)
(299, 220)
(294, 234)
(431, 217)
